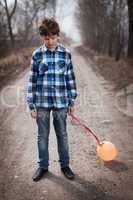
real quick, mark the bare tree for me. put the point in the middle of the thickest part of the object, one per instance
(130, 41)
(102, 24)
(27, 18)
(22, 19)
(52, 7)
(3, 33)
(9, 16)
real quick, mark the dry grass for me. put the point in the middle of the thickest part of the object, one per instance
(14, 64)
(119, 73)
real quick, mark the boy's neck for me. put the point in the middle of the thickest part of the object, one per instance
(52, 49)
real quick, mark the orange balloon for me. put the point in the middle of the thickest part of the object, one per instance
(106, 151)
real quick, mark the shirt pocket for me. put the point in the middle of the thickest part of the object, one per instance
(61, 66)
(43, 68)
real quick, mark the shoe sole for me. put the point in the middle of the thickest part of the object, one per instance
(39, 178)
(68, 177)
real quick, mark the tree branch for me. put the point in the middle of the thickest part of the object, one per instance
(13, 10)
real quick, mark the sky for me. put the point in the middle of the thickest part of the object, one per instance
(68, 21)
(65, 16)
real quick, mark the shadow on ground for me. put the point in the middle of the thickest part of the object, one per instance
(79, 188)
(116, 166)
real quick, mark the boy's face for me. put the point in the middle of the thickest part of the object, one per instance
(51, 41)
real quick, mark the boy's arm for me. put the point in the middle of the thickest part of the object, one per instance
(71, 83)
(31, 86)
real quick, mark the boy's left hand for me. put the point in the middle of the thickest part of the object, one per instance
(71, 110)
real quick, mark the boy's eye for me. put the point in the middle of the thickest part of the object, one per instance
(52, 38)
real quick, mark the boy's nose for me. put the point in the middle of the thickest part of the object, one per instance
(50, 42)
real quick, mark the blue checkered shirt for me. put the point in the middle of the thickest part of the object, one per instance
(51, 81)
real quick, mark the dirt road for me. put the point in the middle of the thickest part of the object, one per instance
(97, 105)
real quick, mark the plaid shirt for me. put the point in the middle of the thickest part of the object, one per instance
(51, 81)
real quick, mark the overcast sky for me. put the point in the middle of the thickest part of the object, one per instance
(68, 21)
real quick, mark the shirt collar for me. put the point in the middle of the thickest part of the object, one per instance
(59, 47)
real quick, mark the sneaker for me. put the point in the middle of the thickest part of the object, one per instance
(68, 172)
(39, 174)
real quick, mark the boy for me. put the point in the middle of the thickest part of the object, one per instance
(51, 87)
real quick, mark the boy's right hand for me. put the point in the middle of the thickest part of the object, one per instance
(34, 114)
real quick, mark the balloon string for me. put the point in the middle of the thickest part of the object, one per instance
(86, 128)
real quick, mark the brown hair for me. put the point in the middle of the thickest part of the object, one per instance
(49, 27)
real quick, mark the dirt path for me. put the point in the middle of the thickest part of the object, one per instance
(96, 105)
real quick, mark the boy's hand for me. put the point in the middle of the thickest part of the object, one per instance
(34, 114)
(71, 110)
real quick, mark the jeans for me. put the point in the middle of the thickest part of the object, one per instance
(60, 127)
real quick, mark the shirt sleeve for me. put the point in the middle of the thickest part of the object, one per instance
(71, 83)
(31, 86)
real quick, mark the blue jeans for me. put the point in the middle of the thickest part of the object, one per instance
(60, 127)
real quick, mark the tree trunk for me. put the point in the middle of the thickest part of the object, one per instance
(130, 40)
(112, 28)
(9, 18)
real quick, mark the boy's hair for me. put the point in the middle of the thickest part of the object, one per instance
(49, 27)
